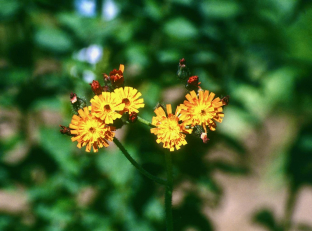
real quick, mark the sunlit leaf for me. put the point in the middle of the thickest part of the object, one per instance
(180, 29)
(220, 9)
(53, 39)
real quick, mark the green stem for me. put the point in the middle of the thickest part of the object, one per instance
(144, 121)
(290, 207)
(168, 195)
(136, 165)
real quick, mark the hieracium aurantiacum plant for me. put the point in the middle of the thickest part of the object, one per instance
(114, 104)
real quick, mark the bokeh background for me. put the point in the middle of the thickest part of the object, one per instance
(254, 174)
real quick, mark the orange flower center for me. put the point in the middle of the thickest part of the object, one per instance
(92, 130)
(107, 108)
(126, 102)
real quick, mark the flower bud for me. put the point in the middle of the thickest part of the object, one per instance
(183, 71)
(106, 89)
(106, 78)
(77, 102)
(182, 62)
(118, 123)
(204, 137)
(117, 79)
(96, 87)
(65, 130)
(133, 117)
(192, 83)
(225, 100)
(197, 130)
(73, 98)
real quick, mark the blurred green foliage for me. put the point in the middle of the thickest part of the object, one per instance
(258, 52)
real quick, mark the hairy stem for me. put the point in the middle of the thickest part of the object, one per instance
(144, 121)
(136, 165)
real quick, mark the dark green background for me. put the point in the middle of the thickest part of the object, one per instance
(257, 52)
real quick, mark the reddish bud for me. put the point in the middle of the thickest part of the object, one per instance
(106, 78)
(133, 117)
(182, 62)
(77, 102)
(116, 77)
(65, 130)
(183, 72)
(204, 137)
(225, 100)
(193, 80)
(106, 89)
(73, 98)
(96, 87)
(192, 83)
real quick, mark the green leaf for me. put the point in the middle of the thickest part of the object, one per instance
(266, 218)
(14, 77)
(229, 167)
(220, 9)
(181, 29)
(305, 143)
(117, 167)
(153, 9)
(53, 39)
(9, 8)
(47, 104)
(154, 210)
(137, 54)
(151, 94)
(169, 55)
(59, 146)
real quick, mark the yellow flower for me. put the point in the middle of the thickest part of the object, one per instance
(89, 131)
(130, 97)
(202, 109)
(168, 129)
(106, 107)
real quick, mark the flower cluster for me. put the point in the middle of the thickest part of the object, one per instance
(94, 126)
(114, 104)
(198, 113)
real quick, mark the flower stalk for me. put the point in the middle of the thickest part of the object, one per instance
(144, 121)
(290, 207)
(136, 165)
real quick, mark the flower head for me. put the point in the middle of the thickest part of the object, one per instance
(107, 106)
(131, 98)
(168, 129)
(202, 109)
(89, 131)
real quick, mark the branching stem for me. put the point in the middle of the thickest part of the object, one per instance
(136, 165)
